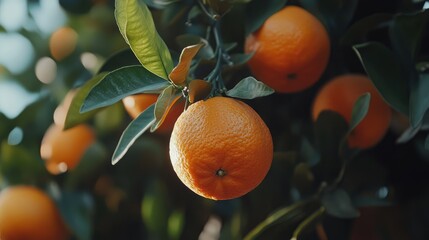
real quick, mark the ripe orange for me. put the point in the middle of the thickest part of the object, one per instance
(136, 104)
(63, 43)
(340, 95)
(291, 48)
(220, 148)
(28, 213)
(62, 150)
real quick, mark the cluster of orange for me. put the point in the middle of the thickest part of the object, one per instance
(291, 51)
(221, 149)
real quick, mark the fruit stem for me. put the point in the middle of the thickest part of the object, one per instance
(215, 76)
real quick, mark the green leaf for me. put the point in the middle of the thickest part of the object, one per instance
(5, 126)
(121, 83)
(249, 88)
(155, 209)
(386, 72)
(240, 58)
(159, 4)
(339, 204)
(91, 162)
(290, 215)
(74, 117)
(408, 134)
(406, 34)
(20, 165)
(258, 11)
(360, 29)
(120, 59)
(136, 25)
(335, 14)
(163, 105)
(359, 111)
(419, 98)
(309, 153)
(176, 223)
(330, 131)
(77, 209)
(134, 130)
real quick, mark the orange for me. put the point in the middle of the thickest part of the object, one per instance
(63, 43)
(291, 50)
(340, 95)
(27, 213)
(136, 104)
(220, 148)
(62, 150)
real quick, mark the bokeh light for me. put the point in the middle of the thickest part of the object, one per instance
(17, 52)
(14, 98)
(46, 70)
(13, 14)
(15, 136)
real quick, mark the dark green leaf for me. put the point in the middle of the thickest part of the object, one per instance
(339, 204)
(176, 223)
(408, 134)
(74, 117)
(357, 32)
(360, 109)
(240, 58)
(406, 34)
(120, 59)
(110, 118)
(335, 14)
(249, 88)
(309, 153)
(19, 165)
(229, 46)
(194, 12)
(386, 72)
(121, 83)
(330, 132)
(258, 11)
(155, 208)
(5, 126)
(134, 130)
(136, 25)
(77, 209)
(165, 101)
(419, 98)
(159, 4)
(91, 162)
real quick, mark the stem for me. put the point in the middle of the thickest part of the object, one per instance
(215, 76)
(311, 219)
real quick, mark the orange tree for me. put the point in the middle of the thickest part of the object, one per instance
(279, 161)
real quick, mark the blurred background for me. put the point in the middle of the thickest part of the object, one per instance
(49, 47)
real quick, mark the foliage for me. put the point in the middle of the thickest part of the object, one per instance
(193, 49)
